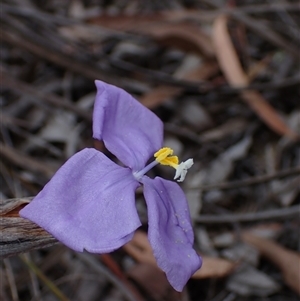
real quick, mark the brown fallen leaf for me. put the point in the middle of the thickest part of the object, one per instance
(139, 248)
(124, 22)
(162, 93)
(214, 267)
(236, 77)
(154, 282)
(159, 95)
(203, 72)
(184, 35)
(288, 261)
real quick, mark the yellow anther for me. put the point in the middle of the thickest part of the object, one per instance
(170, 161)
(162, 156)
(163, 153)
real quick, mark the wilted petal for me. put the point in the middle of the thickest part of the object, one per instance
(170, 232)
(129, 130)
(88, 204)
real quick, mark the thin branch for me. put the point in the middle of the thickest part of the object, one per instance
(99, 268)
(11, 280)
(19, 235)
(251, 181)
(282, 213)
(52, 287)
(9, 82)
(25, 161)
(81, 67)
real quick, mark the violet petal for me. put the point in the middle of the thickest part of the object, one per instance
(88, 204)
(129, 130)
(170, 231)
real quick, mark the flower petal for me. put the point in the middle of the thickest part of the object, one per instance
(129, 130)
(170, 231)
(88, 204)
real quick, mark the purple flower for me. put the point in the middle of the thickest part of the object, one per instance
(89, 204)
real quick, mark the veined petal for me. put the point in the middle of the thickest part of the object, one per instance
(129, 130)
(170, 231)
(88, 204)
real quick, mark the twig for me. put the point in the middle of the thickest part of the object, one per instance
(54, 19)
(34, 139)
(265, 8)
(67, 61)
(52, 287)
(158, 76)
(7, 81)
(35, 290)
(291, 27)
(252, 181)
(18, 234)
(265, 32)
(25, 161)
(182, 132)
(281, 213)
(208, 15)
(11, 280)
(99, 268)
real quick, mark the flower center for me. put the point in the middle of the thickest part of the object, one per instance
(164, 156)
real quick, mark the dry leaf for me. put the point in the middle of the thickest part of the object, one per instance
(162, 93)
(236, 77)
(154, 282)
(124, 22)
(214, 267)
(147, 273)
(159, 95)
(288, 261)
(139, 248)
(202, 72)
(184, 35)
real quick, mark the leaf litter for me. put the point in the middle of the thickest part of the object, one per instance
(229, 98)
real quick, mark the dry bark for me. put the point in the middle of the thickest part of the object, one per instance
(19, 235)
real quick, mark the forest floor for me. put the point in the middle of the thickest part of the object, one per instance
(224, 78)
